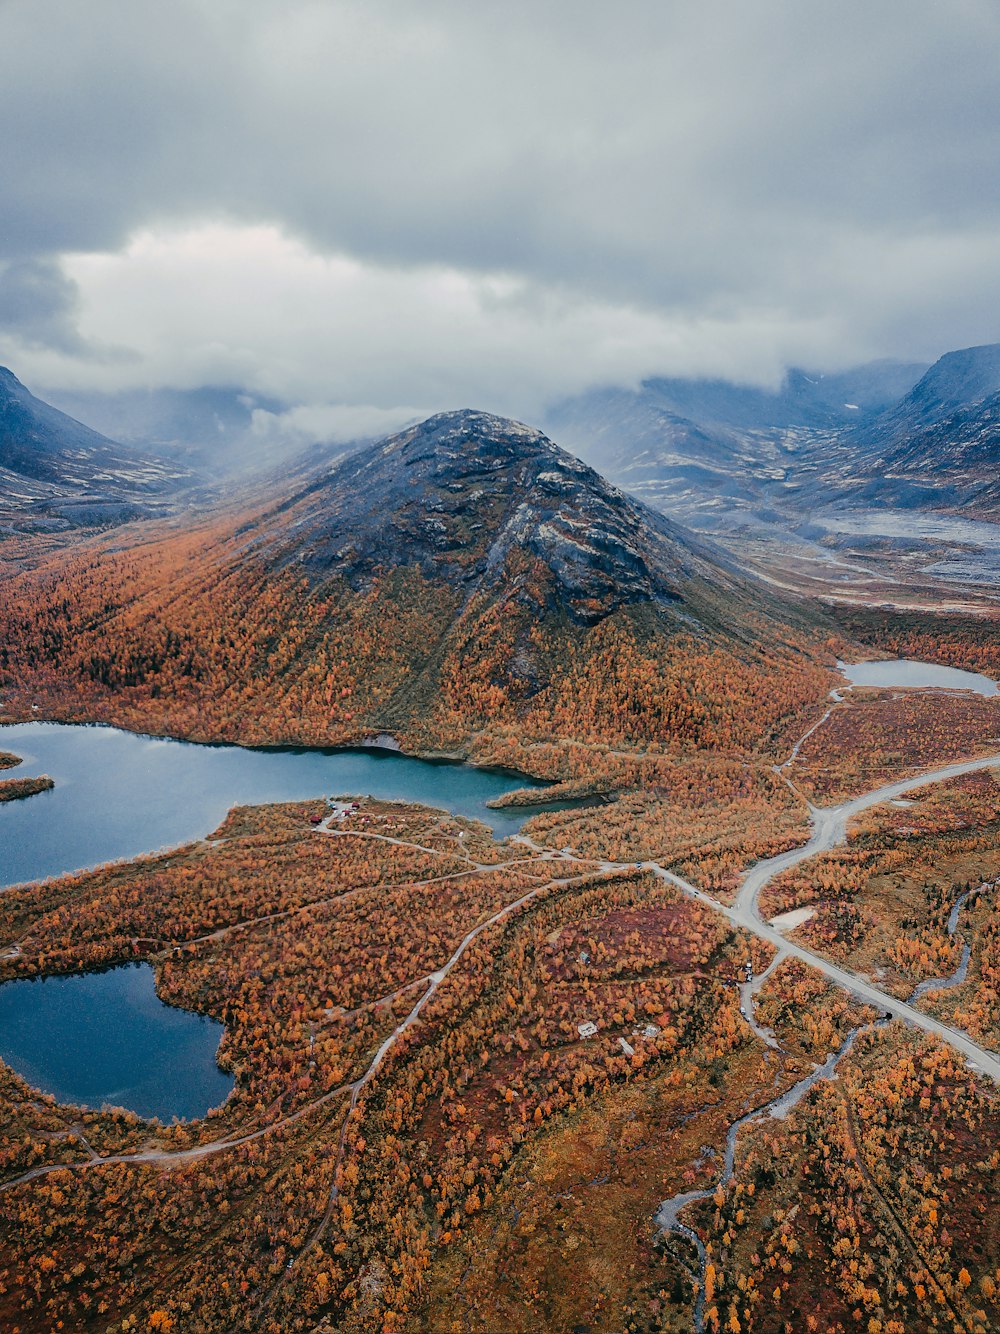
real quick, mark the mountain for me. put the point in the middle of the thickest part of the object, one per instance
(951, 464)
(456, 579)
(711, 452)
(466, 495)
(804, 398)
(956, 380)
(55, 466)
(938, 448)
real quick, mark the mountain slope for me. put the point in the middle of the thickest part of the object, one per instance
(953, 464)
(465, 496)
(938, 448)
(463, 577)
(710, 452)
(50, 462)
(955, 381)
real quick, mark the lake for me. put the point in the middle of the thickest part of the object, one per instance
(905, 673)
(118, 794)
(95, 1039)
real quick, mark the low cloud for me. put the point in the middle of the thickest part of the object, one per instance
(330, 423)
(38, 306)
(492, 204)
(226, 304)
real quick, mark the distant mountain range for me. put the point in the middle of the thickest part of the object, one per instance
(54, 470)
(707, 450)
(719, 456)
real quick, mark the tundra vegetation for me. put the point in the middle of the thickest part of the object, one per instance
(469, 1073)
(493, 1168)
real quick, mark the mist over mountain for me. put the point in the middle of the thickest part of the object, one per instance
(56, 467)
(707, 450)
(710, 453)
(210, 428)
(499, 667)
(805, 398)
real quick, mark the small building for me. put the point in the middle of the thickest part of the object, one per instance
(626, 1047)
(587, 1030)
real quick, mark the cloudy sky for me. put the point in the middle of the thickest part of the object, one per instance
(374, 209)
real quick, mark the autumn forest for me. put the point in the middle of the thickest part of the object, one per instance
(570, 1079)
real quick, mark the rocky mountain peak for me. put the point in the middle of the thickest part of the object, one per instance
(467, 498)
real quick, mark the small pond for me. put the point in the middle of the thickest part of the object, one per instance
(903, 672)
(118, 795)
(97, 1039)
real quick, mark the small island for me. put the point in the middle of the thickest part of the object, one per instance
(14, 789)
(8, 759)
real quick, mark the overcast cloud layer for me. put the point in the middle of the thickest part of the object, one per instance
(374, 210)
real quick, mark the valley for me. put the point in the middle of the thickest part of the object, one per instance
(393, 1075)
(872, 485)
(499, 668)
(586, 1011)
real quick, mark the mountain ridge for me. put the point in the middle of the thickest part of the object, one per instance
(956, 381)
(423, 497)
(55, 466)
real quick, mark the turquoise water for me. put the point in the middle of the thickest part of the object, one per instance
(97, 1039)
(118, 795)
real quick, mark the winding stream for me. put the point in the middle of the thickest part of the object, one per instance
(119, 795)
(668, 1214)
(961, 972)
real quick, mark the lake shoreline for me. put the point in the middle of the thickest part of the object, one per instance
(376, 746)
(120, 794)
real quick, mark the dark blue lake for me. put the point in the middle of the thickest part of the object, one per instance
(106, 1038)
(118, 794)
